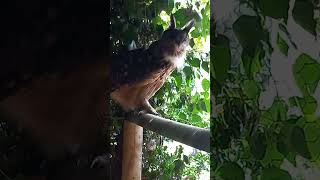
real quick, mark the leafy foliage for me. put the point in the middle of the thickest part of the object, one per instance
(248, 139)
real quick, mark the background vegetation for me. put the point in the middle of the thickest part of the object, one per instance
(185, 96)
(265, 120)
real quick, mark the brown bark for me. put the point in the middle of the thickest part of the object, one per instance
(132, 151)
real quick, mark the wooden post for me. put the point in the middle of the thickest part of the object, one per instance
(132, 151)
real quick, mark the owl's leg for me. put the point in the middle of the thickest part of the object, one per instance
(148, 108)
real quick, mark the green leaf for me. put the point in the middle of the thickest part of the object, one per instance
(266, 118)
(178, 165)
(249, 32)
(314, 148)
(308, 104)
(205, 84)
(188, 72)
(245, 153)
(207, 103)
(311, 126)
(178, 80)
(202, 106)
(258, 145)
(251, 89)
(182, 116)
(184, 15)
(195, 62)
(283, 46)
(298, 142)
(221, 58)
(312, 132)
(195, 33)
(196, 118)
(170, 5)
(252, 64)
(275, 8)
(303, 15)
(272, 156)
(284, 139)
(157, 21)
(278, 110)
(230, 171)
(205, 66)
(273, 173)
(306, 72)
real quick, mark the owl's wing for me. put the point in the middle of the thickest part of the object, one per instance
(134, 66)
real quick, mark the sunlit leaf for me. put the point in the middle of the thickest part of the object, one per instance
(195, 62)
(205, 84)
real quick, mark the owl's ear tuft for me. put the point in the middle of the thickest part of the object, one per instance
(172, 22)
(188, 25)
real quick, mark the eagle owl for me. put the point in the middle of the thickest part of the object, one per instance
(138, 74)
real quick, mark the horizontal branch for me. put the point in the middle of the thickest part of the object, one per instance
(190, 135)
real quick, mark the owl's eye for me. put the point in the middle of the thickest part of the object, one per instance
(181, 37)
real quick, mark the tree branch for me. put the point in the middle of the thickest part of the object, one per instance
(190, 135)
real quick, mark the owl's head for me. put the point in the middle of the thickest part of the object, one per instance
(178, 36)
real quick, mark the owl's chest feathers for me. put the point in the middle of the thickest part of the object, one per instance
(175, 56)
(132, 96)
(176, 60)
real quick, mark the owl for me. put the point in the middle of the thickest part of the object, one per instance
(136, 75)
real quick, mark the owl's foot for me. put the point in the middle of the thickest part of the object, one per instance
(147, 108)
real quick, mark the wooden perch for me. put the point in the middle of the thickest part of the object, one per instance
(190, 135)
(132, 151)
